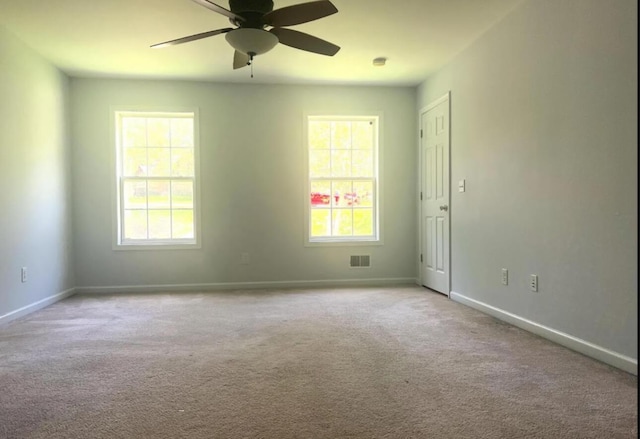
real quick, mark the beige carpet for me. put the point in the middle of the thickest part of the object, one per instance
(344, 363)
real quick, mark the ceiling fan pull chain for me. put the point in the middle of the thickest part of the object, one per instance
(251, 64)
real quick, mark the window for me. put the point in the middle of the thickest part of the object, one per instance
(343, 179)
(156, 156)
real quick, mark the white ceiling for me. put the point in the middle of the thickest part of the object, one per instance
(111, 38)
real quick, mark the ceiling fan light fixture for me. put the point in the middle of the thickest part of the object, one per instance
(251, 41)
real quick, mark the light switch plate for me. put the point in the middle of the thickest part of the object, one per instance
(461, 185)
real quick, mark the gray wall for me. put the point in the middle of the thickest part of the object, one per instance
(35, 224)
(544, 130)
(252, 176)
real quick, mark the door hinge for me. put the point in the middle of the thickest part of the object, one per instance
(421, 133)
(420, 257)
(420, 196)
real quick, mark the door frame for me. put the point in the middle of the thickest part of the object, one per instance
(421, 171)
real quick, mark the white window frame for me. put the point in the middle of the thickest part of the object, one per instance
(119, 243)
(377, 239)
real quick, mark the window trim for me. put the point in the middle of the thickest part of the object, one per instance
(116, 192)
(351, 241)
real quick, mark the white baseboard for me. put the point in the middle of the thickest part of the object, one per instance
(334, 283)
(21, 312)
(614, 359)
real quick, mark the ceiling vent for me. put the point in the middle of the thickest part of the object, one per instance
(360, 261)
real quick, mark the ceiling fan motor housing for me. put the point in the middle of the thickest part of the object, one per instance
(251, 10)
(262, 6)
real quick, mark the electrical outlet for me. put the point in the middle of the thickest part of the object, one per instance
(533, 283)
(505, 276)
(244, 258)
(23, 274)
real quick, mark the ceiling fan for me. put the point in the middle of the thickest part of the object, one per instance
(252, 17)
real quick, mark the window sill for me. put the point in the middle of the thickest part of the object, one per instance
(158, 246)
(344, 243)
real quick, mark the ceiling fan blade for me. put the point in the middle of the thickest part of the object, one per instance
(302, 41)
(240, 60)
(219, 9)
(297, 14)
(192, 37)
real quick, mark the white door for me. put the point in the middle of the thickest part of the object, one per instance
(434, 212)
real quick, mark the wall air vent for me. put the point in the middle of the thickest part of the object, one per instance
(360, 261)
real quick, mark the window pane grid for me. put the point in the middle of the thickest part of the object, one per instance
(149, 209)
(336, 214)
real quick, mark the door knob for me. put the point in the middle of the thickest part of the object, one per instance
(444, 207)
